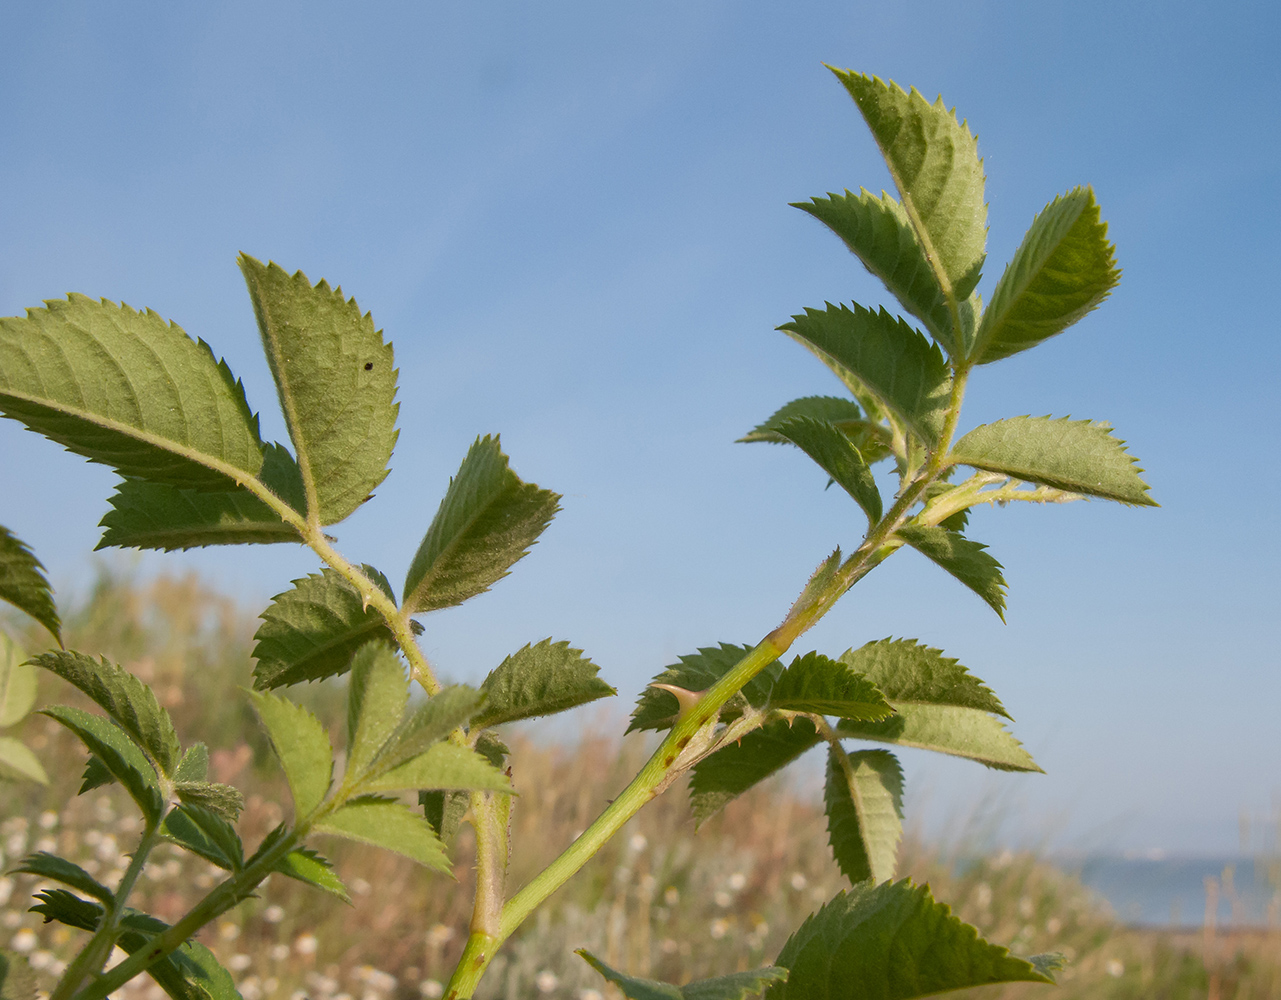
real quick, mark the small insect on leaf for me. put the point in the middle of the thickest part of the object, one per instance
(369, 366)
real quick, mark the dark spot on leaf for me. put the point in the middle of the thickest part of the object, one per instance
(369, 366)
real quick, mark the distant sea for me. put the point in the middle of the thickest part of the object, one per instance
(1172, 892)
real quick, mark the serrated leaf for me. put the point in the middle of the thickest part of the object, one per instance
(864, 813)
(815, 683)
(1048, 963)
(538, 680)
(217, 798)
(18, 763)
(1062, 270)
(894, 942)
(388, 824)
(96, 775)
(17, 978)
(310, 632)
(868, 436)
(17, 683)
(1080, 456)
(960, 732)
(732, 770)
(836, 455)
(376, 698)
(968, 561)
(194, 765)
(736, 986)
(443, 766)
(879, 233)
(147, 515)
(50, 866)
(486, 523)
(128, 390)
(23, 583)
(205, 834)
(306, 865)
(657, 709)
(904, 670)
(127, 700)
(303, 747)
(189, 972)
(116, 750)
(935, 165)
(336, 380)
(904, 371)
(444, 811)
(67, 908)
(432, 721)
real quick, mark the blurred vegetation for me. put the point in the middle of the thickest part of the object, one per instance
(661, 900)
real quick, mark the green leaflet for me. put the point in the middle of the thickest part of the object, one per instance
(968, 561)
(217, 798)
(194, 765)
(23, 583)
(205, 834)
(904, 371)
(303, 747)
(128, 390)
(115, 750)
(336, 379)
(435, 719)
(18, 763)
(1062, 270)
(96, 775)
(310, 632)
(865, 813)
(894, 942)
(907, 671)
(67, 908)
(935, 165)
(17, 978)
(50, 866)
(736, 986)
(443, 766)
(444, 809)
(814, 683)
(869, 437)
(961, 732)
(838, 457)
(376, 698)
(1080, 456)
(17, 682)
(657, 709)
(390, 825)
(734, 769)
(485, 524)
(159, 516)
(879, 233)
(123, 697)
(306, 865)
(540, 680)
(190, 972)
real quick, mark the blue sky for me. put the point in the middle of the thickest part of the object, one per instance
(572, 221)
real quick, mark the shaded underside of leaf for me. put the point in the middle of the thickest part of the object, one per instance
(905, 372)
(815, 683)
(112, 747)
(1080, 456)
(218, 798)
(128, 390)
(736, 986)
(23, 583)
(206, 834)
(310, 632)
(336, 379)
(538, 680)
(960, 732)
(905, 670)
(864, 813)
(836, 455)
(968, 561)
(50, 866)
(657, 709)
(892, 941)
(734, 769)
(486, 522)
(390, 825)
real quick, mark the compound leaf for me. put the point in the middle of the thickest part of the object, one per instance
(443, 766)
(904, 371)
(23, 583)
(1080, 456)
(376, 698)
(18, 763)
(734, 769)
(864, 813)
(907, 671)
(935, 165)
(894, 942)
(388, 824)
(128, 701)
(336, 379)
(306, 865)
(486, 523)
(537, 680)
(303, 747)
(736, 986)
(968, 561)
(310, 632)
(50, 866)
(17, 683)
(206, 834)
(658, 709)
(815, 683)
(128, 390)
(960, 732)
(838, 457)
(117, 752)
(1062, 270)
